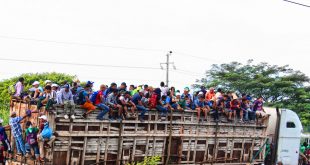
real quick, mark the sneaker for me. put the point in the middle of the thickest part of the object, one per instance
(41, 159)
(66, 116)
(84, 115)
(72, 117)
(240, 121)
(100, 118)
(47, 146)
(141, 120)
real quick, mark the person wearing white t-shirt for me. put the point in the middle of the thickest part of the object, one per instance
(126, 102)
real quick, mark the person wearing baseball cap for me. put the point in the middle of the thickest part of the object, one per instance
(37, 89)
(46, 136)
(123, 88)
(48, 82)
(65, 98)
(137, 100)
(17, 131)
(187, 97)
(91, 84)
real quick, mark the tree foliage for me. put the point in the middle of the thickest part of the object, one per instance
(153, 160)
(279, 85)
(57, 78)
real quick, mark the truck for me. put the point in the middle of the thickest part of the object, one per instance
(177, 139)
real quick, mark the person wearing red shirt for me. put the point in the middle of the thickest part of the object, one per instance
(100, 102)
(210, 95)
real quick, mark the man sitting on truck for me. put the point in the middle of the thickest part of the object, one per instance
(259, 109)
(98, 99)
(113, 104)
(66, 98)
(201, 106)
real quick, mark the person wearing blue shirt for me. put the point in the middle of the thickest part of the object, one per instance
(17, 132)
(201, 107)
(136, 99)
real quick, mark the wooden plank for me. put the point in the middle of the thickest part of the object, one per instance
(120, 144)
(69, 145)
(99, 144)
(84, 146)
(242, 151)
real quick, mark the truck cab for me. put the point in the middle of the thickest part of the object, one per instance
(290, 130)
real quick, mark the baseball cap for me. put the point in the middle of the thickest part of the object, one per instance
(66, 86)
(54, 85)
(47, 81)
(178, 94)
(186, 88)
(43, 117)
(36, 83)
(200, 93)
(89, 82)
(141, 90)
(123, 83)
(13, 113)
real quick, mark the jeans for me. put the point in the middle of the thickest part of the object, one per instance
(252, 115)
(20, 145)
(41, 141)
(35, 148)
(162, 109)
(174, 106)
(142, 109)
(68, 105)
(105, 109)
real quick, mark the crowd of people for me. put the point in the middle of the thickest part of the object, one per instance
(115, 103)
(122, 100)
(33, 137)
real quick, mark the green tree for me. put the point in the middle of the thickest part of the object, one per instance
(58, 78)
(279, 85)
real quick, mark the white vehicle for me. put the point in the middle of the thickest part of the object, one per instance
(285, 131)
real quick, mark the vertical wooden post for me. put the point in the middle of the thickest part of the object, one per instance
(170, 138)
(69, 144)
(85, 145)
(242, 151)
(107, 144)
(99, 144)
(120, 144)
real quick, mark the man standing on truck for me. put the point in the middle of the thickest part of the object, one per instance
(17, 131)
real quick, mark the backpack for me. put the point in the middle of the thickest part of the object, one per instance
(46, 132)
(12, 89)
(32, 138)
(153, 100)
(78, 98)
(93, 97)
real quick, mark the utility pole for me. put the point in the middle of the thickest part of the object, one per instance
(167, 63)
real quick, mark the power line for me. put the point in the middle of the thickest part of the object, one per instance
(80, 64)
(296, 3)
(106, 46)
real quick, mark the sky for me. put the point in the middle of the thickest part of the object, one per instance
(140, 33)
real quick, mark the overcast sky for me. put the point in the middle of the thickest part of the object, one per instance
(99, 32)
